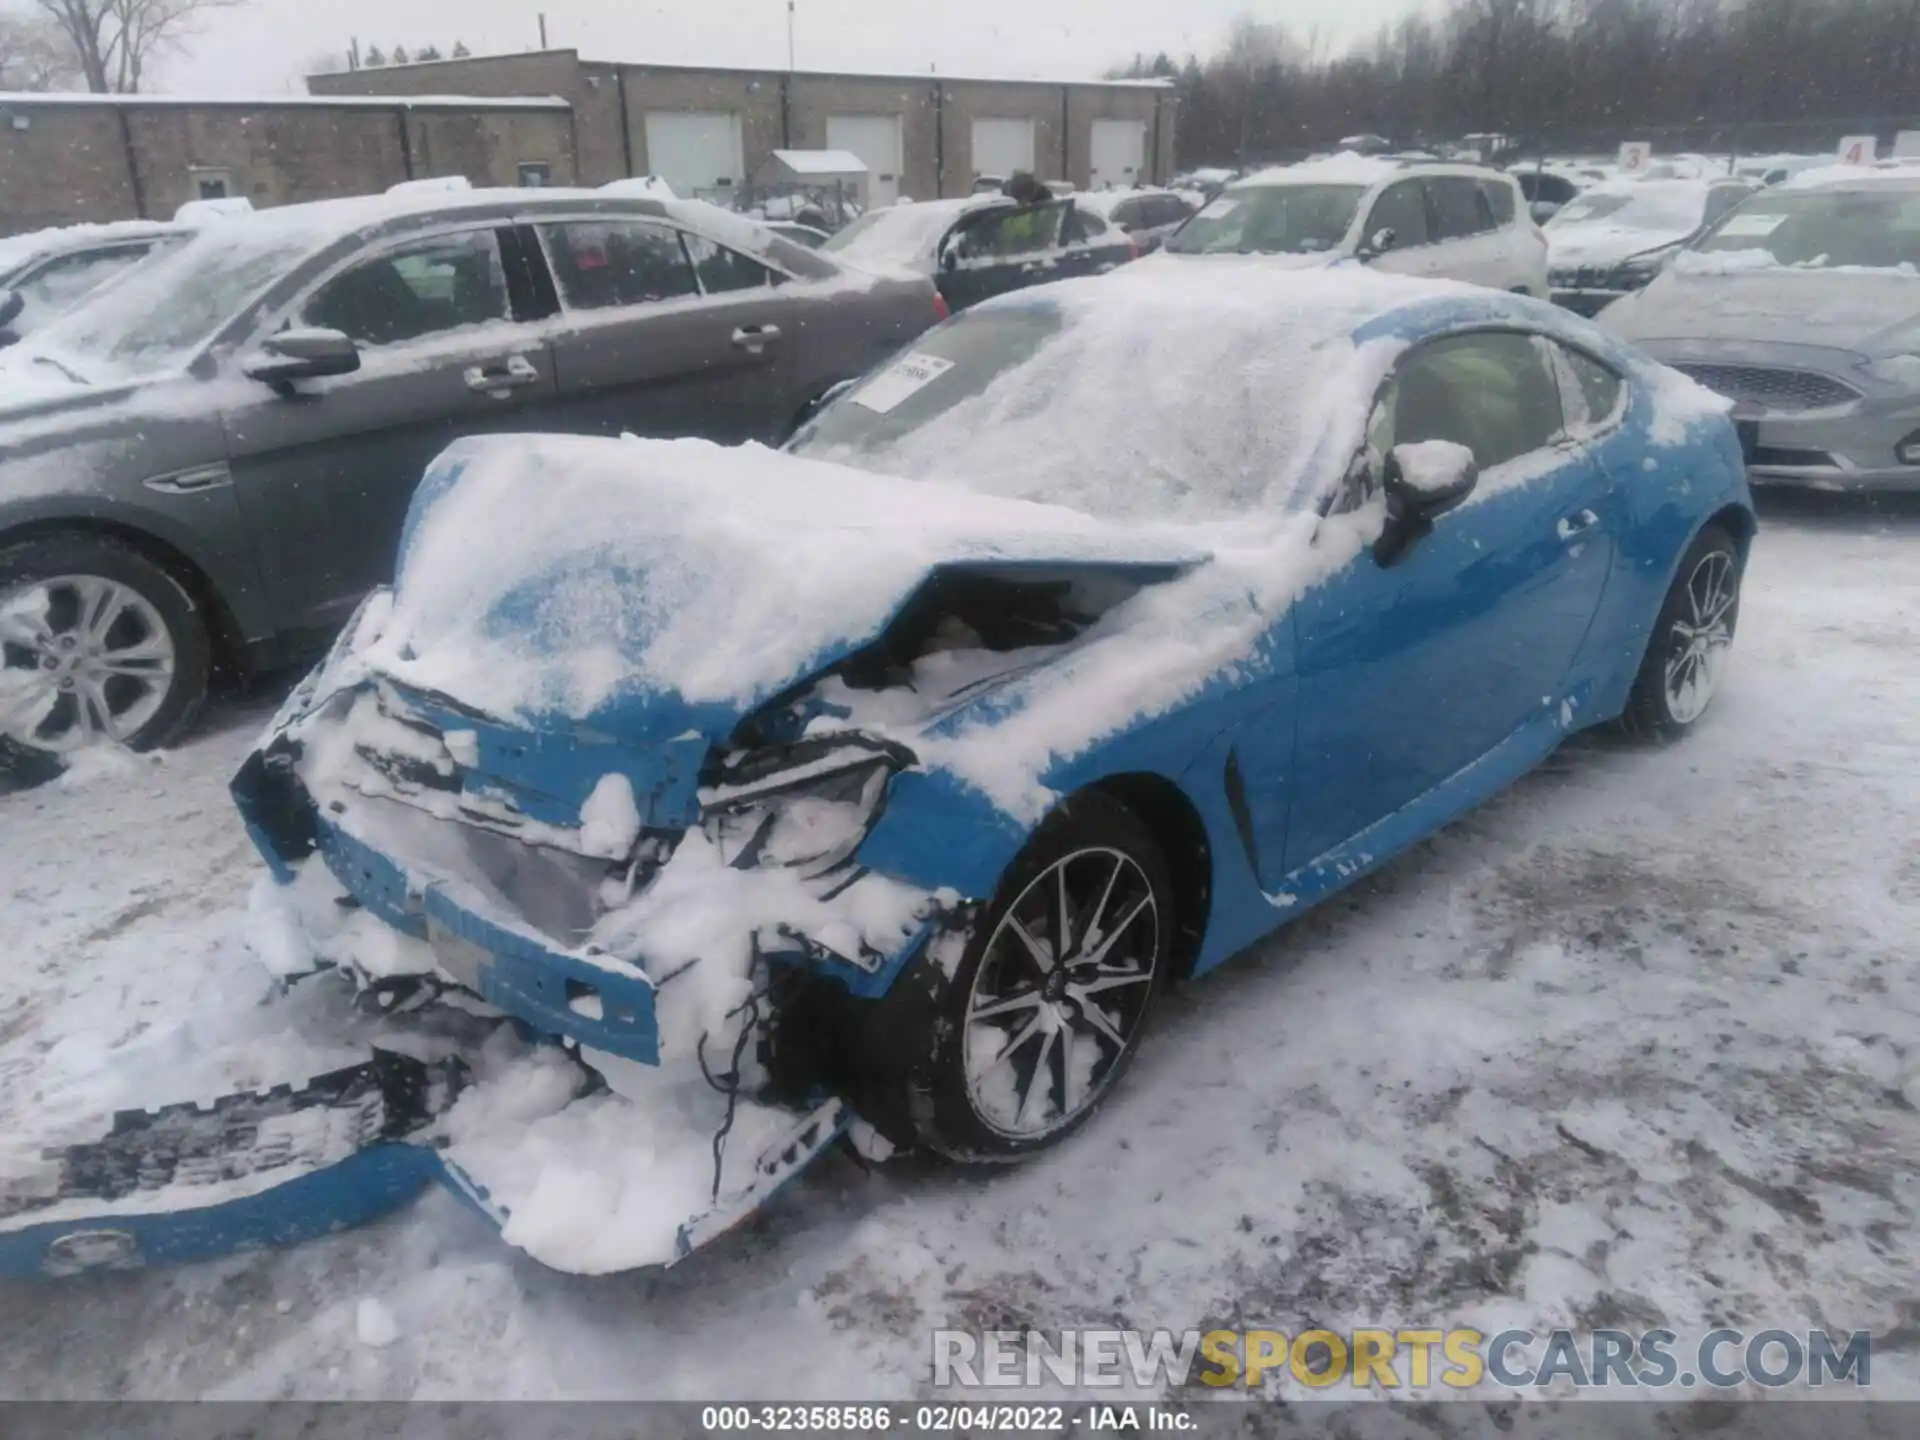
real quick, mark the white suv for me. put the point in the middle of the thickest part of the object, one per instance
(1415, 217)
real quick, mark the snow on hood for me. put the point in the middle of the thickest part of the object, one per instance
(546, 575)
(903, 236)
(1701, 299)
(1602, 243)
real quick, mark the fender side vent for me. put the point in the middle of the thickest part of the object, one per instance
(1242, 817)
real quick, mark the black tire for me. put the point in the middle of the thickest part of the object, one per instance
(1658, 710)
(179, 614)
(1094, 837)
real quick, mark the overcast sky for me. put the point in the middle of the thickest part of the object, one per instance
(266, 45)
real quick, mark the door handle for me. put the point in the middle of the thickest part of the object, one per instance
(1577, 524)
(517, 373)
(754, 336)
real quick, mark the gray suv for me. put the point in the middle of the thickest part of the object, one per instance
(208, 463)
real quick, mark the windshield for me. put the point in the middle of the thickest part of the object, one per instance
(159, 315)
(1667, 209)
(1271, 220)
(1824, 228)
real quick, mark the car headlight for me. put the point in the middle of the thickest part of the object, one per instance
(804, 807)
(1637, 270)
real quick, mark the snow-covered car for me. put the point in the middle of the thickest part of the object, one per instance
(1455, 222)
(1803, 308)
(1146, 216)
(880, 786)
(1614, 238)
(808, 235)
(985, 245)
(51, 271)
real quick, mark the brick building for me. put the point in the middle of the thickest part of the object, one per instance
(704, 129)
(71, 158)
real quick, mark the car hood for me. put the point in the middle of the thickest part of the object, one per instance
(654, 590)
(1580, 245)
(1838, 311)
(1318, 260)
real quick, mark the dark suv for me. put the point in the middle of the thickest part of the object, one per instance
(209, 462)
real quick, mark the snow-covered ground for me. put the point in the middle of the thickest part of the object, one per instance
(1635, 1044)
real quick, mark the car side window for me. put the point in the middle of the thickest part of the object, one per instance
(1459, 207)
(1005, 233)
(422, 288)
(1090, 226)
(1401, 208)
(1722, 199)
(1171, 210)
(1595, 396)
(603, 265)
(721, 269)
(1499, 198)
(1491, 391)
(1129, 213)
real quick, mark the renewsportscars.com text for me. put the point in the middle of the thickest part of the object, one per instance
(1401, 1359)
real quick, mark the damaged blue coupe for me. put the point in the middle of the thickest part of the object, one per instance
(874, 790)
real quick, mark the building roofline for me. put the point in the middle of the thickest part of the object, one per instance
(81, 99)
(931, 77)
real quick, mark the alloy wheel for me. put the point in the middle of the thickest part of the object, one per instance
(1701, 637)
(1060, 993)
(82, 659)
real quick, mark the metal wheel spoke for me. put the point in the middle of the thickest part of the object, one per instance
(1097, 1020)
(93, 703)
(1035, 950)
(1109, 978)
(20, 627)
(156, 648)
(1091, 935)
(1100, 952)
(1063, 921)
(1042, 1069)
(1006, 1005)
(1020, 1037)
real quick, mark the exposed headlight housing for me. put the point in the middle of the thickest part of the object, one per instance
(1908, 450)
(803, 807)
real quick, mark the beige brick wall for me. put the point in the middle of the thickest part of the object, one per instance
(67, 165)
(274, 157)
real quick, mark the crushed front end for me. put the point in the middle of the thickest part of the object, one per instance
(644, 906)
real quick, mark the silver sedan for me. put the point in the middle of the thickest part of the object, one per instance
(1803, 308)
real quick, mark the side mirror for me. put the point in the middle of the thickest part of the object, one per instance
(11, 304)
(302, 355)
(1421, 482)
(1378, 243)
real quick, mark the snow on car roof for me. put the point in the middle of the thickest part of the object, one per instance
(16, 250)
(1346, 168)
(1839, 177)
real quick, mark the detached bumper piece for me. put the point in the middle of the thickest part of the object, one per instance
(193, 1181)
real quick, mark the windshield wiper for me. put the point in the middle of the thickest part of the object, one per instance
(65, 370)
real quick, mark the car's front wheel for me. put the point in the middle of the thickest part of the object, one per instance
(1047, 1005)
(1687, 656)
(97, 644)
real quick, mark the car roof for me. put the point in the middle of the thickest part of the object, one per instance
(19, 250)
(1349, 168)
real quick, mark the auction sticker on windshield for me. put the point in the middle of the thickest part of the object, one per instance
(900, 381)
(1751, 224)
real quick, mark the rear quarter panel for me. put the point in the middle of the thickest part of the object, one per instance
(848, 326)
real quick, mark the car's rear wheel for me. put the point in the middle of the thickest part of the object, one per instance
(97, 644)
(1692, 639)
(1047, 1006)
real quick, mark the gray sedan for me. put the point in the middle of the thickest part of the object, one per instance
(208, 463)
(1803, 307)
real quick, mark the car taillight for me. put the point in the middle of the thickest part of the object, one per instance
(1133, 249)
(940, 310)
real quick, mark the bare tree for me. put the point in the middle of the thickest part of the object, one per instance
(34, 56)
(114, 41)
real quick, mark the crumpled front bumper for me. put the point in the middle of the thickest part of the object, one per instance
(507, 917)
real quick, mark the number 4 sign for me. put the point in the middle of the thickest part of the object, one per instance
(1859, 150)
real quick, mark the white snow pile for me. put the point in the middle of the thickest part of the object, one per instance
(679, 566)
(1348, 167)
(901, 237)
(1840, 175)
(1757, 261)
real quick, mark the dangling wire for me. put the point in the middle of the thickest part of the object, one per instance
(728, 1081)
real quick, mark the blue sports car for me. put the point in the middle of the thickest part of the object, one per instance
(876, 788)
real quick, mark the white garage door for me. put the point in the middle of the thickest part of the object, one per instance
(1119, 153)
(876, 140)
(1001, 147)
(695, 153)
